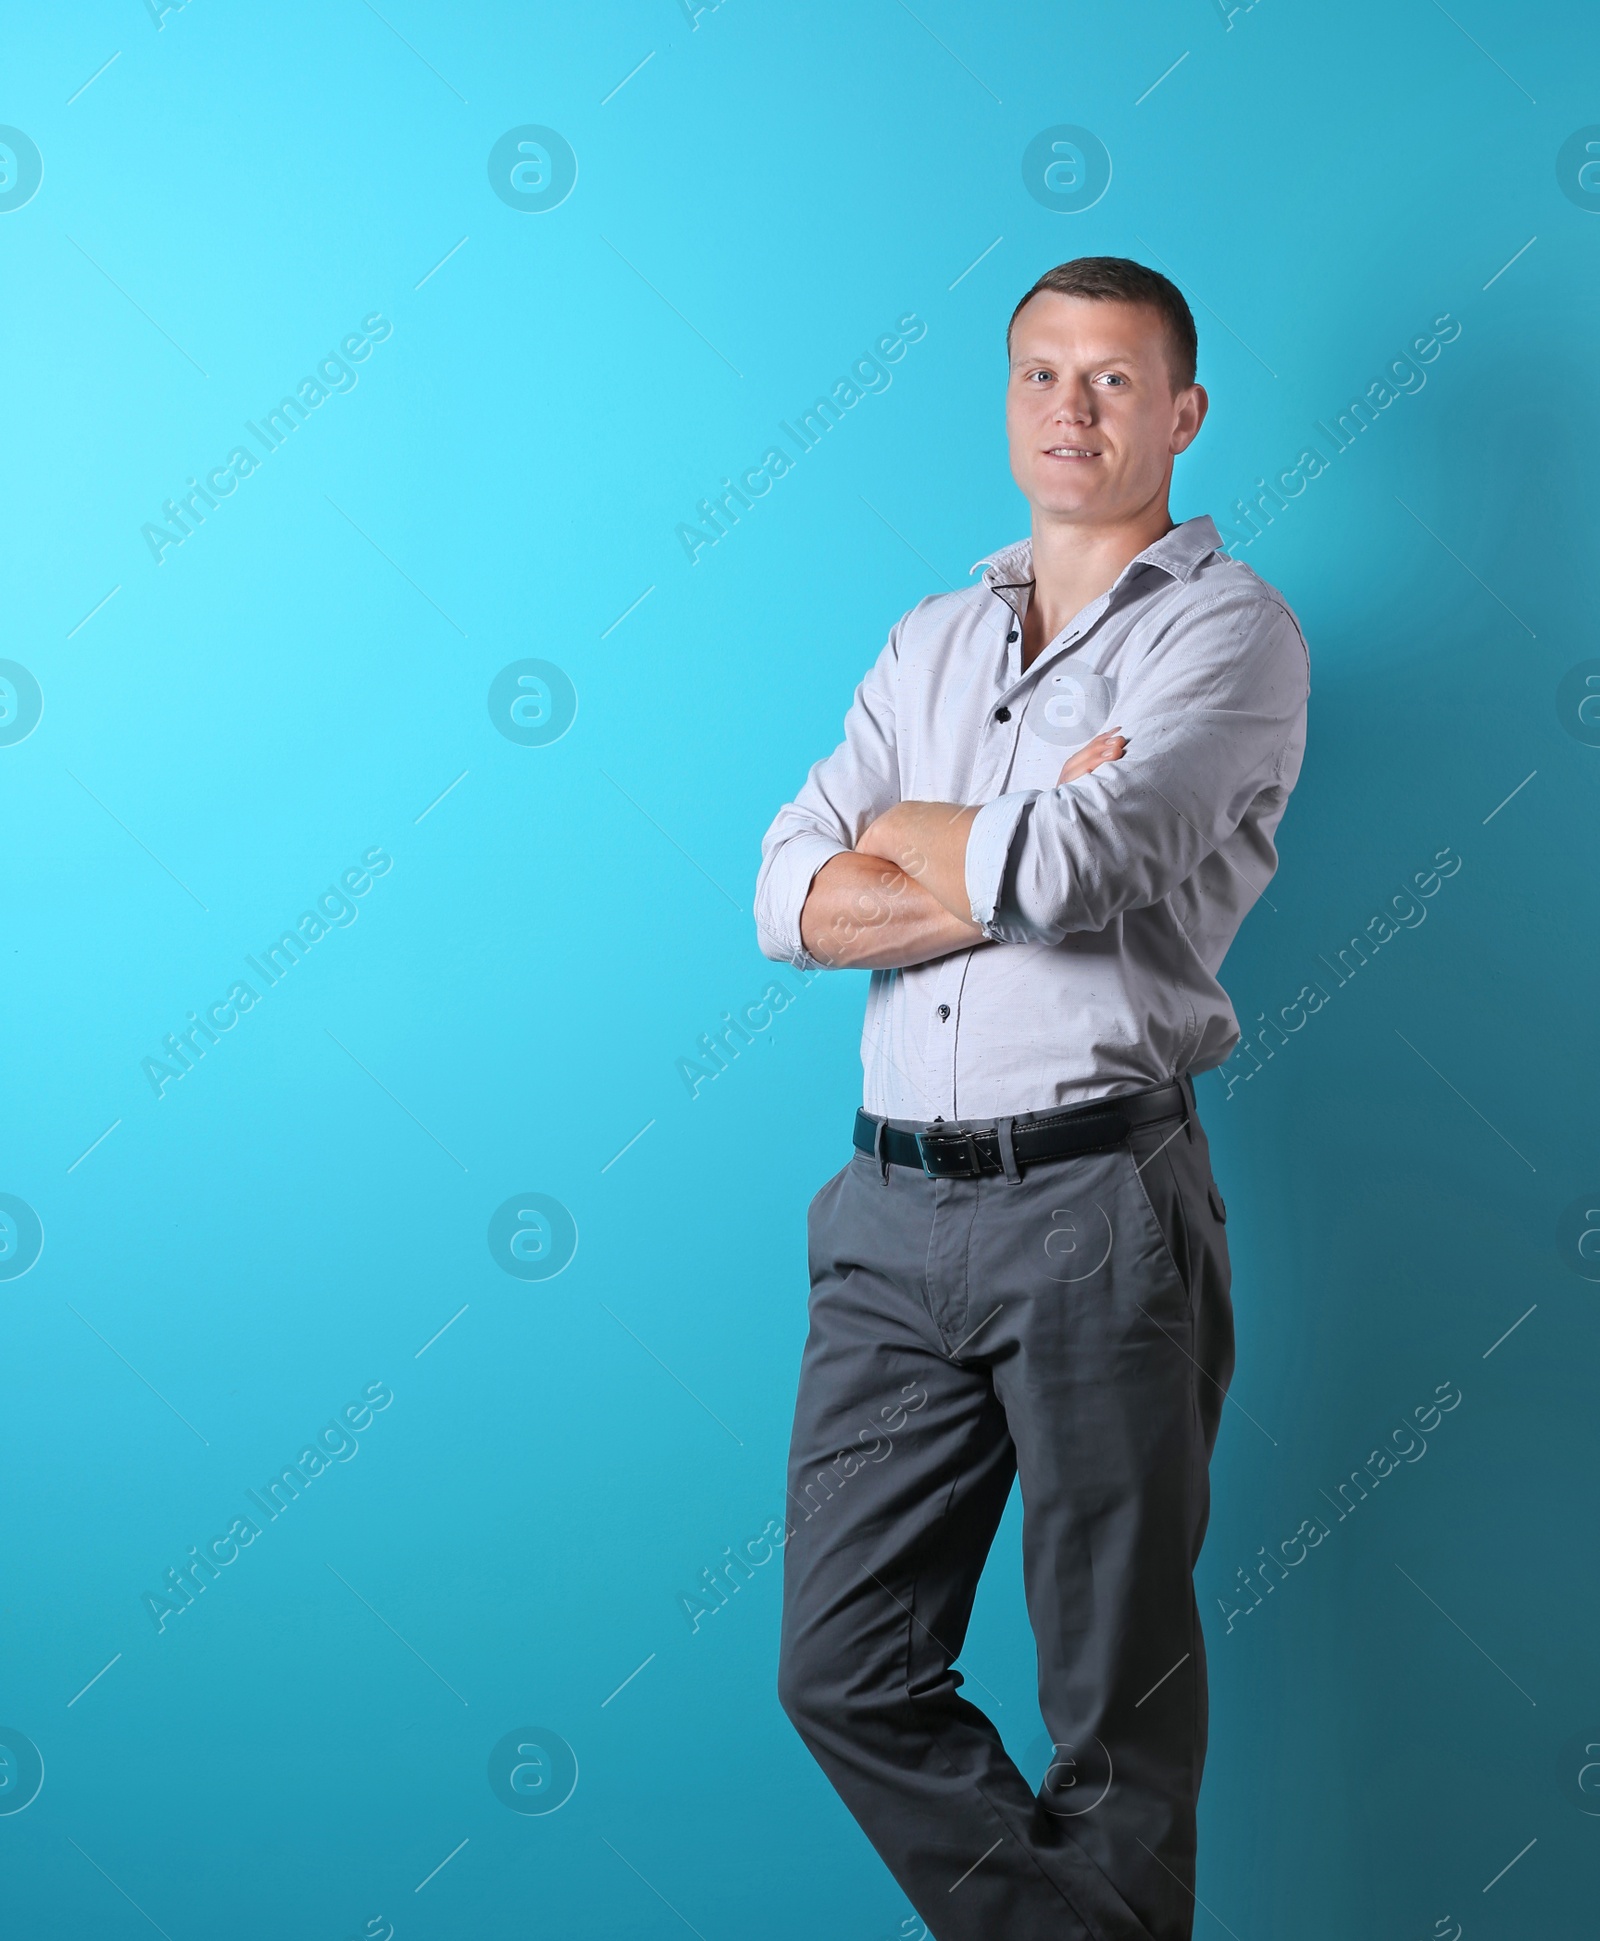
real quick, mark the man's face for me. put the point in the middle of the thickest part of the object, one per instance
(1091, 415)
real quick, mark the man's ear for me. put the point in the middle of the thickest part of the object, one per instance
(1193, 405)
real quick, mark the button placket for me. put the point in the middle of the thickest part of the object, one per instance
(1022, 690)
(948, 1065)
(940, 1030)
(965, 961)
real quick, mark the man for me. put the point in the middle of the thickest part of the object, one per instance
(1022, 1270)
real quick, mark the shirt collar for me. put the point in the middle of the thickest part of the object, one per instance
(1179, 553)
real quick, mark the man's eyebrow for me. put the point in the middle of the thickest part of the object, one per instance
(1094, 362)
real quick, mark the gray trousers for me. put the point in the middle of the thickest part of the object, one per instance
(1072, 1329)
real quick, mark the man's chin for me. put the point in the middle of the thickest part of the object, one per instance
(1082, 507)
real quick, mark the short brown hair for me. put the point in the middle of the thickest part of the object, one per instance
(1118, 279)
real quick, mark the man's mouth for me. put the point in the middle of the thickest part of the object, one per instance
(1069, 451)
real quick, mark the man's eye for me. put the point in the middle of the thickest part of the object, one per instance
(1044, 375)
(1112, 377)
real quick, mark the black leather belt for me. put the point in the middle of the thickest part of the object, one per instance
(942, 1152)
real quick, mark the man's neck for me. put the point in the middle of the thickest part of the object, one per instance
(1074, 564)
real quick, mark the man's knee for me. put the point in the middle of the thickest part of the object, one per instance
(800, 1680)
(817, 1686)
(832, 1688)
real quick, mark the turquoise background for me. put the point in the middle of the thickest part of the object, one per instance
(305, 1749)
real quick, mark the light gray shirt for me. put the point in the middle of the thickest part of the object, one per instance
(1110, 901)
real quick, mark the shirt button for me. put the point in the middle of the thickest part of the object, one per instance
(1011, 637)
(944, 1012)
(1002, 714)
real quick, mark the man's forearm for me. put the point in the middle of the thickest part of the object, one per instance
(928, 840)
(866, 913)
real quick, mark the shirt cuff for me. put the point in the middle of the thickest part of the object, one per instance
(784, 889)
(988, 849)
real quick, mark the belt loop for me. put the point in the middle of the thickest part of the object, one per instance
(877, 1149)
(1189, 1106)
(1008, 1152)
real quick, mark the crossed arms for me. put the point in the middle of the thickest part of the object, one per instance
(855, 876)
(900, 896)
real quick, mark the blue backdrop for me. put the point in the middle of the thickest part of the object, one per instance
(386, 736)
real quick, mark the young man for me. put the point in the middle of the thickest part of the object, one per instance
(1022, 1270)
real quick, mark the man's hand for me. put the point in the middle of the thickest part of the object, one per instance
(1108, 747)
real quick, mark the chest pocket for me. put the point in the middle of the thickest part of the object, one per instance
(1070, 705)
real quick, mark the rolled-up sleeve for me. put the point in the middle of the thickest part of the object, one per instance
(843, 793)
(988, 847)
(1214, 717)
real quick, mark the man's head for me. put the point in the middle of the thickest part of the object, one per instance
(1101, 396)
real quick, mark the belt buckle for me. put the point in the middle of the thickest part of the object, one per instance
(937, 1146)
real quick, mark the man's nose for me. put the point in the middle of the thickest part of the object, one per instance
(1073, 406)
